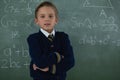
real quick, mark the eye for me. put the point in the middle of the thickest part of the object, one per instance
(51, 16)
(42, 16)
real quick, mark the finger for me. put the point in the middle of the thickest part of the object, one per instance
(45, 69)
(34, 67)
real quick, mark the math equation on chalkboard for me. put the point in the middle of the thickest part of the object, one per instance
(14, 57)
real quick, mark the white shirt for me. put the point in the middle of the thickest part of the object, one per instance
(46, 33)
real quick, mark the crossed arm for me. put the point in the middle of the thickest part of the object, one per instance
(46, 69)
(43, 61)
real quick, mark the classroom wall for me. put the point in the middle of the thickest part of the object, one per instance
(93, 27)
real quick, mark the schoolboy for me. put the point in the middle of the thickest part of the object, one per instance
(50, 51)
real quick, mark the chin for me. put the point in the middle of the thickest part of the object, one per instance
(50, 30)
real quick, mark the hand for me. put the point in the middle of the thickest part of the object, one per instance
(42, 69)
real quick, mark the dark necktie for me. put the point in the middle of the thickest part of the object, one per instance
(50, 37)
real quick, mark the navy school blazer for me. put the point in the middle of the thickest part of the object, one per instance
(45, 53)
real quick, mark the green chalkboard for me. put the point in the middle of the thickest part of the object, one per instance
(93, 27)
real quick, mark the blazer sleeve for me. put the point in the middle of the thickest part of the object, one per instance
(68, 62)
(41, 60)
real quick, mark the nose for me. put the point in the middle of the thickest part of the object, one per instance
(47, 18)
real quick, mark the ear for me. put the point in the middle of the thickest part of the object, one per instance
(56, 21)
(36, 21)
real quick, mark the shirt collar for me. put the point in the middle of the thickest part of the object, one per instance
(46, 33)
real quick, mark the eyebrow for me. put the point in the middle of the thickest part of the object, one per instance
(49, 14)
(41, 14)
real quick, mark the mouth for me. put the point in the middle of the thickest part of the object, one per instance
(47, 24)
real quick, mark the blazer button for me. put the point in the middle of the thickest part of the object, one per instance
(52, 46)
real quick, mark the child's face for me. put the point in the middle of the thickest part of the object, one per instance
(46, 18)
